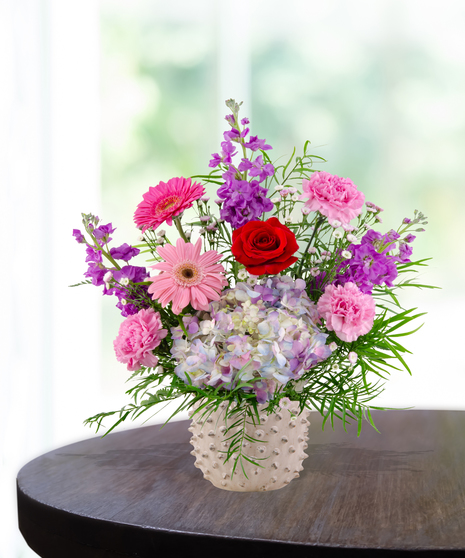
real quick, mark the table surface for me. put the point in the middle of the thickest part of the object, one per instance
(400, 492)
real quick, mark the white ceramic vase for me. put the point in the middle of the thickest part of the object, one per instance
(280, 450)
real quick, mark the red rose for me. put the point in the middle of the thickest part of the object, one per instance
(264, 246)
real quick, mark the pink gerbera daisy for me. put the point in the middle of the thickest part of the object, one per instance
(187, 277)
(165, 201)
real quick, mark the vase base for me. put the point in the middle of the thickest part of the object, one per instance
(281, 441)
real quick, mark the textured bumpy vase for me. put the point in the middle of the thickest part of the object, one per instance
(282, 441)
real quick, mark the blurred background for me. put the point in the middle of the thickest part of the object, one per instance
(100, 100)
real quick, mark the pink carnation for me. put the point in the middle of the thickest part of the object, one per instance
(138, 336)
(336, 198)
(166, 201)
(347, 311)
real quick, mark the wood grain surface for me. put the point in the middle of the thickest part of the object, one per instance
(137, 493)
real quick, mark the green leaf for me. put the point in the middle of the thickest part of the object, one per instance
(288, 163)
(87, 282)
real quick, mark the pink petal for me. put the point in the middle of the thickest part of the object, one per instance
(197, 249)
(168, 253)
(181, 254)
(199, 296)
(209, 257)
(163, 266)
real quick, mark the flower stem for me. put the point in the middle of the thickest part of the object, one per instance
(317, 224)
(181, 323)
(177, 222)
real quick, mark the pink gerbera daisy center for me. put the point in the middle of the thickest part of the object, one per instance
(166, 204)
(187, 274)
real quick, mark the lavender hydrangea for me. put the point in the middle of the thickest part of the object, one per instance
(265, 335)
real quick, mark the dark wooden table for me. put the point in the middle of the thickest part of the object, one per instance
(137, 493)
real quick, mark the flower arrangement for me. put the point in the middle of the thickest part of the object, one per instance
(279, 291)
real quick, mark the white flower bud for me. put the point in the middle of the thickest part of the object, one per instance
(279, 187)
(351, 238)
(124, 281)
(275, 200)
(352, 357)
(161, 232)
(338, 234)
(123, 301)
(348, 227)
(299, 386)
(295, 197)
(306, 210)
(346, 254)
(242, 274)
(312, 250)
(333, 346)
(108, 276)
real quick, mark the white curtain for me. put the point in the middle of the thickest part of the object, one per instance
(49, 172)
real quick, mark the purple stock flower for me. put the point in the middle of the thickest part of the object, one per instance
(228, 152)
(244, 165)
(409, 238)
(405, 251)
(96, 273)
(102, 233)
(93, 255)
(124, 252)
(127, 309)
(369, 267)
(230, 119)
(131, 272)
(376, 239)
(235, 135)
(255, 144)
(215, 161)
(244, 202)
(135, 275)
(257, 169)
(78, 236)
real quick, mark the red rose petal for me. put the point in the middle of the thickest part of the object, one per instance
(264, 247)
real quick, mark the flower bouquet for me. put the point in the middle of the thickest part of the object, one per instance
(277, 298)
